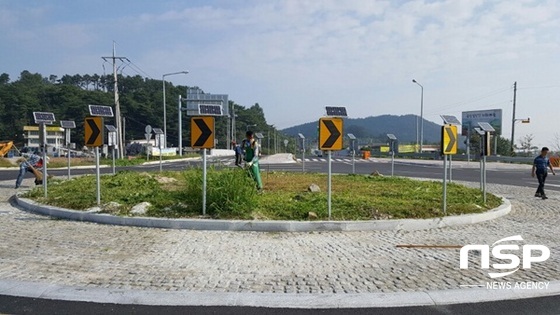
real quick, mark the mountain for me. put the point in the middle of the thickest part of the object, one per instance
(403, 127)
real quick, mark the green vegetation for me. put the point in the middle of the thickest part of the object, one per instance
(6, 163)
(231, 194)
(140, 99)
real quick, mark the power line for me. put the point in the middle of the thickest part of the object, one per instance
(470, 100)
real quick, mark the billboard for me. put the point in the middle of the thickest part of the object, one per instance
(471, 119)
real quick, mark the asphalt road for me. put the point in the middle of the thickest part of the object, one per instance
(17, 305)
(515, 177)
(545, 305)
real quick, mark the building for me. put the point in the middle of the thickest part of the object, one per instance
(55, 138)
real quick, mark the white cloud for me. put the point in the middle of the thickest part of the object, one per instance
(296, 55)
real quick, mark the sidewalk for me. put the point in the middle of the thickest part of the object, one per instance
(61, 259)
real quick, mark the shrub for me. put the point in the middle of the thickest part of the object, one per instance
(229, 193)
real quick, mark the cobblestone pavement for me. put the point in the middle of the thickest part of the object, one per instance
(40, 249)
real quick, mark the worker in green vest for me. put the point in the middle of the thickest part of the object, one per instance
(251, 149)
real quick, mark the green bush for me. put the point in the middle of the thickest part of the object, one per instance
(230, 193)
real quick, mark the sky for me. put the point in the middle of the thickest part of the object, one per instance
(295, 57)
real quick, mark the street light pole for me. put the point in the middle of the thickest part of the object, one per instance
(165, 107)
(421, 114)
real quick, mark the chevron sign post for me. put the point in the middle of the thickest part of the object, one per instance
(330, 139)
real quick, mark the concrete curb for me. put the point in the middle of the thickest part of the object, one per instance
(284, 300)
(264, 226)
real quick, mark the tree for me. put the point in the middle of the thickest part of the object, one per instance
(556, 142)
(526, 143)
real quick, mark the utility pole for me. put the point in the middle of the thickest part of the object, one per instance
(513, 118)
(120, 138)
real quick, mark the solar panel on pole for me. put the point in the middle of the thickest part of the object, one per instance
(210, 109)
(43, 117)
(450, 120)
(486, 127)
(336, 111)
(101, 110)
(111, 128)
(67, 124)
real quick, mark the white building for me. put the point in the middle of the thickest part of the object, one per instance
(55, 138)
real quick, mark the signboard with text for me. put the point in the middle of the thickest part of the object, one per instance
(471, 119)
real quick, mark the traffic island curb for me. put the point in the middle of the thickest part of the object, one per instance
(264, 226)
(270, 300)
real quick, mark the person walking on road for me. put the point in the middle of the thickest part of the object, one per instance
(238, 153)
(541, 164)
(251, 149)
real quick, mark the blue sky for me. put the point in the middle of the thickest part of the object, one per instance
(295, 57)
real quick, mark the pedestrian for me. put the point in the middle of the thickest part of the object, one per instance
(541, 164)
(238, 153)
(31, 163)
(251, 149)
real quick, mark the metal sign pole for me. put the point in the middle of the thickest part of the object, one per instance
(68, 149)
(469, 144)
(97, 176)
(484, 183)
(450, 169)
(160, 155)
(329, 183)
(180, 129)
(392, 163)
(353, 158)
(203, 182)
(480, 162)
(113, 159)
(445, 184)
(303, 156)
(44, 144)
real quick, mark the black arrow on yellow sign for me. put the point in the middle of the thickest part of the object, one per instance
(452, 140)
(449, 139)
(331, 140)
(93, 131)
(202, 132)
(206, 132)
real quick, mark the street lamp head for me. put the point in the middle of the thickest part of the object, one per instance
(414, 81)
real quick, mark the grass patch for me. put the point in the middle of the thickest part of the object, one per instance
(231, 194)
(6, 163)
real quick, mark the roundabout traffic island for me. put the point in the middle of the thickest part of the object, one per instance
(290, 202)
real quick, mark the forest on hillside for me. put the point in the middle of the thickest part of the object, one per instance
(141, 103)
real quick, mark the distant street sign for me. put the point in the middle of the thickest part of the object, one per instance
(351, 136)
(100, 110)
(202, 132)
(449, 139)
(93, 131)
(43, 117)
(157, 131)
(391, 136)
(330, 134)
(68, 124)
(148, 136)
(148, 129)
